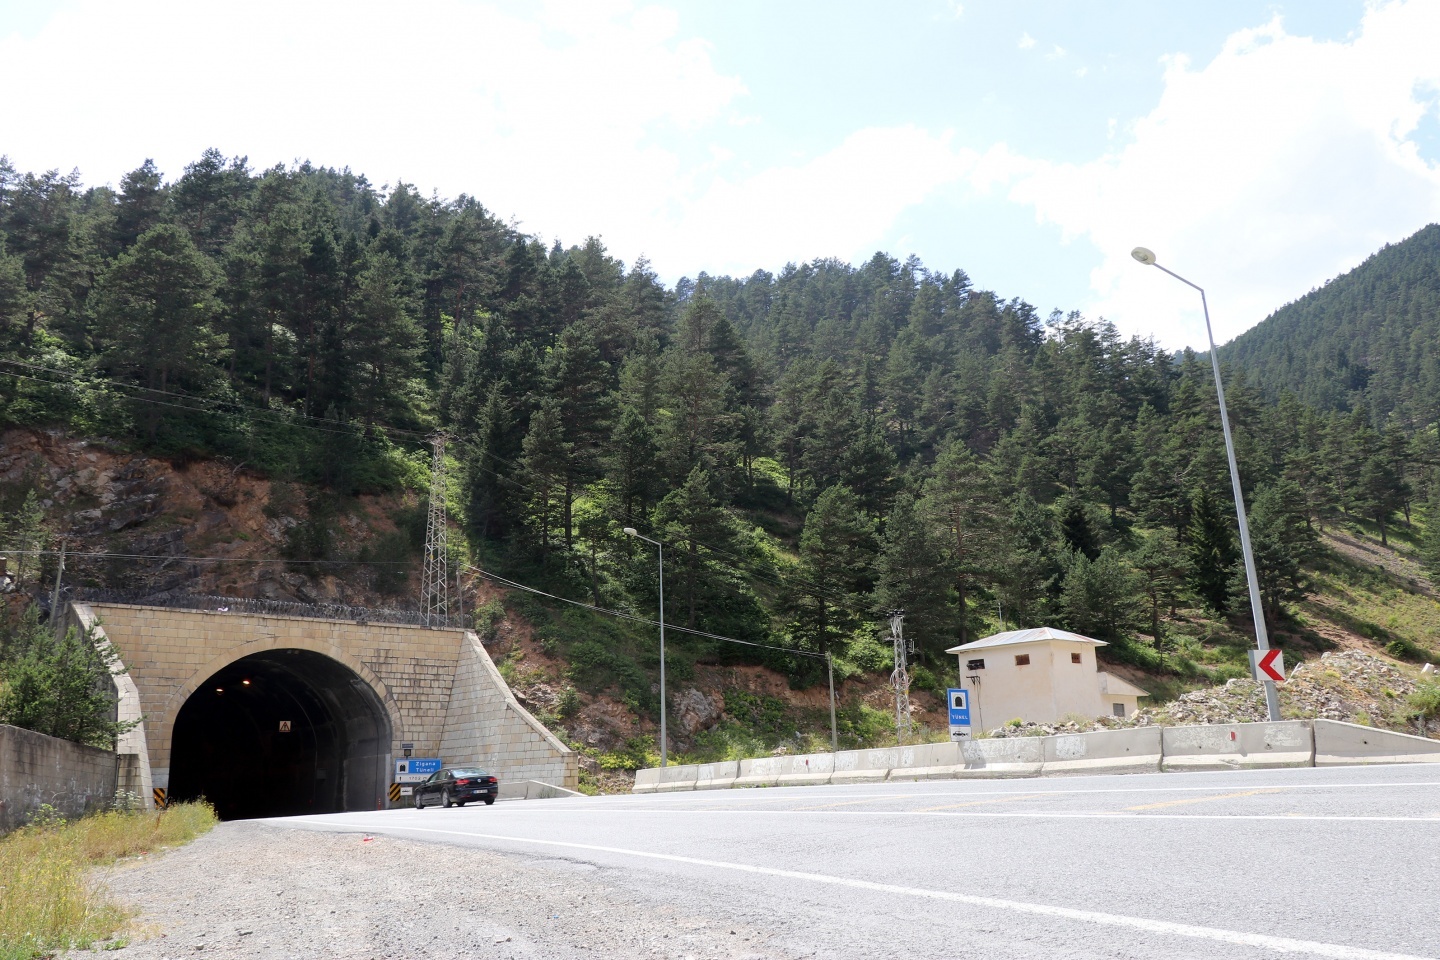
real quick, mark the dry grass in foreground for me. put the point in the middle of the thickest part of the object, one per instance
(48, 903)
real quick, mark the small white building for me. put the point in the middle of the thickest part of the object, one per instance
(1040, 675)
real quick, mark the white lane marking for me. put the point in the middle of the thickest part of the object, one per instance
(1031, 814)
(1219, 935)
(708, 795)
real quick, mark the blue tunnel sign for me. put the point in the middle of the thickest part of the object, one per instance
(958, 700)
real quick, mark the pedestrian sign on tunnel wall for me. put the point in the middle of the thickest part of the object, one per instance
(958, 700)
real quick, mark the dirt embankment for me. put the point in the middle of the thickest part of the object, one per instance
(142, 525)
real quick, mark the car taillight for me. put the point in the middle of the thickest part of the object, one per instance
(462, 783)
(489, 779)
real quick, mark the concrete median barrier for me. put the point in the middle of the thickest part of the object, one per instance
(1106, 751)
(1002, 757)
(717, 776)
(806, 769)
(647, 780)
(1239, 746)
(1345, 744)
(677, 777)
(760, 772)
(865, 766)
(927, 761)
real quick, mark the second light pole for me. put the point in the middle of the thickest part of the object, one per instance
(1262, 639)
(632, 532)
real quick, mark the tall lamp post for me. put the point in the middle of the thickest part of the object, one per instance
(632, 532)
(1262, 639)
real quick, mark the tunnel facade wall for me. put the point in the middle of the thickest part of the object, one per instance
(435, 684)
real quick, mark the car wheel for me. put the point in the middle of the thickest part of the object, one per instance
(489, 800)
(419, 804)
(445, 799)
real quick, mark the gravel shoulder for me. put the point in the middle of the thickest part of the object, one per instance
(256, 891)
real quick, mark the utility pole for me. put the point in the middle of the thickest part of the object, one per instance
(435, 585)
(56, 620)
(900, 679)
(834, 732)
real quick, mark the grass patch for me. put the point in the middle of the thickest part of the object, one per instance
(47, 902)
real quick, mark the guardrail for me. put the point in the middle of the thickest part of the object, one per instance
(1231, 746)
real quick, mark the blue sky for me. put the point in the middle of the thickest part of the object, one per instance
(1260, 148)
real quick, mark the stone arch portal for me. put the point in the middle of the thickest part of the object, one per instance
(282, 732)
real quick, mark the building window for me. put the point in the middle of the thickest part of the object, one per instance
(1074, 658)
(975, 665)
(1022, 659)
(1119, 709)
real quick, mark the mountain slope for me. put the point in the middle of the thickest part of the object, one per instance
(1368, 340)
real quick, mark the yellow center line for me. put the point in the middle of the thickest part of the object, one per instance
(977, 803)
(1218, 796)
(851, 803)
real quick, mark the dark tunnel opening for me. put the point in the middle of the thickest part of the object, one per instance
(281, 733)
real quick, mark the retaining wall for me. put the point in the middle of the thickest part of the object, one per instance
(1342, 744)
(1239, 746)
(1234, 746)
(36, 769)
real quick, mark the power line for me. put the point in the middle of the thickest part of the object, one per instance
(255, 414)
(629, 616)
(102, 555)
(242, 410)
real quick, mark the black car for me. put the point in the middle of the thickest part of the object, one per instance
(456, 785)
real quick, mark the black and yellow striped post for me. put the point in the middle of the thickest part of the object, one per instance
(394, 792)
(159, 794)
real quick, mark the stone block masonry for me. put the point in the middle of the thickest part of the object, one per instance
(36, 770)
(438, 688)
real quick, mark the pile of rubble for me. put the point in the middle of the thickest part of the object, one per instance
(1347, 685)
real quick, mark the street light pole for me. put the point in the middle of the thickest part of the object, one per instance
(632, 532)
(1262, 639)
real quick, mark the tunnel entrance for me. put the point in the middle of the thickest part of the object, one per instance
(281, 733)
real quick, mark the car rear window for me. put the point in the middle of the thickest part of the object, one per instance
(467, 772)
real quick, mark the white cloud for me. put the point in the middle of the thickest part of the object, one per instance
(1276, 166)
(839, 204)
(1058, 53)
(549, 116)
(1026, 41)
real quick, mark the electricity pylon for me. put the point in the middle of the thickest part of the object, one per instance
(435, 588)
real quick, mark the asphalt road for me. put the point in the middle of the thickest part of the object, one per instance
(1338, 862)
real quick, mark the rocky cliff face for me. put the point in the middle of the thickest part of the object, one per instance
(207, 527)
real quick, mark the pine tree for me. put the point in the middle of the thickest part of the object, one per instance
(1098, 597)
(544, 465)
(837, 550)
(1430, 540)
(1281, 543)
(691, 518)
(1164, 569)
(912, 574)
(1212, 552)
(959, 500)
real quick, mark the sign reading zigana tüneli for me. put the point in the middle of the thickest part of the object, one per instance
(416, 769)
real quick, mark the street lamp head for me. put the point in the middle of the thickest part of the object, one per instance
(1144, 255)
(631, 532)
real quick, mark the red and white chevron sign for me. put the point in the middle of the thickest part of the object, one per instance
(1267, 665)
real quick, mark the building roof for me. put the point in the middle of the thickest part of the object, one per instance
(1109, 683)
(1011, 637)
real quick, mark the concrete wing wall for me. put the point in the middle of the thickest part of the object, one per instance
(485, 724)
(36, 769)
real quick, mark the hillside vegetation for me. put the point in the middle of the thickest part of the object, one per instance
(1368, 340)
(814, 447)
